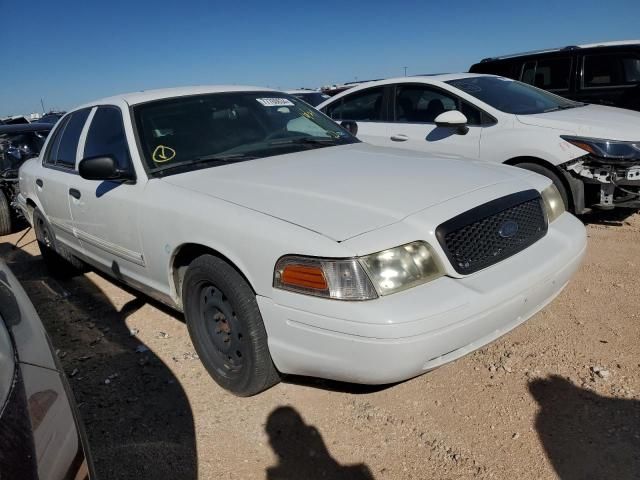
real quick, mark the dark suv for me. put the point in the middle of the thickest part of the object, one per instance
(606, 73)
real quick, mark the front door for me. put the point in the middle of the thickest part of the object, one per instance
(416, 107)
(105, 213)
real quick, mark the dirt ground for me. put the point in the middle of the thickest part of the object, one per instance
(558, 397)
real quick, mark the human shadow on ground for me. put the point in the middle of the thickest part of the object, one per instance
(137, 416)
(586, 435)
(302, 453)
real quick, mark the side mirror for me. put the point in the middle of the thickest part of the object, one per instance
(453, 119)
(103, 168)
(350, 126)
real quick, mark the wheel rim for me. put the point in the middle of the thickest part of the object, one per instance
(44, 233)
(225, 332)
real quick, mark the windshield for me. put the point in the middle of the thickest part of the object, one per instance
(511, 96)
(185, 133)
(313, 98)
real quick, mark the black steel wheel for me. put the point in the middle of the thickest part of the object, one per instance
(58, 260)
(226, 327)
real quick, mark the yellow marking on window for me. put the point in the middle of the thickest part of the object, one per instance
(162, 154)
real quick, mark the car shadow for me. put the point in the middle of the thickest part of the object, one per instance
(137, 416)
(302, 453)
(615, 217)
(334, 385)
(586, 435)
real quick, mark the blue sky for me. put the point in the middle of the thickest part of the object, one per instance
(70, 52)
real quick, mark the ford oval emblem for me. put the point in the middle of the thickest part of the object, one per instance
(508, 229)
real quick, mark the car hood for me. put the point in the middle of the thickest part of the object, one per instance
(595, 121)
(343, 191)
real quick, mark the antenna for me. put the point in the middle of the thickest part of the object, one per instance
(42, 105)
(405, 71)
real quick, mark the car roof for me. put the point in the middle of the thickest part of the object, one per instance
(430, 79)
(616, 43)
(25, 127)
(301, 91)
(143, 96)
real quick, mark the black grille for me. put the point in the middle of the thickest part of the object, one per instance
(493, 231)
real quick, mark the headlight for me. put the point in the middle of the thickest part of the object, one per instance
(553, 203)
(362, 278)
(608, 149)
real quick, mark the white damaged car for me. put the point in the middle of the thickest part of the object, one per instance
(290, 246)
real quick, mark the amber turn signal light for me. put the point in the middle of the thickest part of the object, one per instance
(304, 276)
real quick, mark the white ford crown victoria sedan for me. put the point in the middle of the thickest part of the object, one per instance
(590, 152)
(290, 246)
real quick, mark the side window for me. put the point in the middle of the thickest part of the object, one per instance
(606, 70)
(548, 74)
(361, 106)
(52, 148)
(502, 68)
(106, 136)
(474, 116)
(68, 147)
(421, 104)
(65, 144)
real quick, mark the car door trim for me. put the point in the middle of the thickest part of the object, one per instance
(112, 248)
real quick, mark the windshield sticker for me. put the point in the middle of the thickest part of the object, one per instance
(162, 154)
(275, 102)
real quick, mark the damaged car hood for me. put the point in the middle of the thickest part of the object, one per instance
(343, 191)
(594, 121)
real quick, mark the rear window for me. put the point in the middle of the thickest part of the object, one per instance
(607, 70)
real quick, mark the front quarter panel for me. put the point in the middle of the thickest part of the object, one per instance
(172, 217)
(510, 139)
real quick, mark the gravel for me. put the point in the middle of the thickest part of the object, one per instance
(559, 397)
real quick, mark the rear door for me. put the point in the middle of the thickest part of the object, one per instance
(105, 213)
(368, 109)
(58, 172)
(415, 108)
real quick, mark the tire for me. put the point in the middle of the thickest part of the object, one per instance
(58, 260)
(551, 175)
(226, 327)
(5, 215)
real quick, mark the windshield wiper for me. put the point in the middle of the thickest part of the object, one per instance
(565, 107)
(306, 141)
(206, 159)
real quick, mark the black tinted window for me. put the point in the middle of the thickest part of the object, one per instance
(611, 69)
(362, 106)
(106, 136)
(502, 68)
(68, 146)
(549, 74)
(474, 116)
(52, 148)
(420, 104)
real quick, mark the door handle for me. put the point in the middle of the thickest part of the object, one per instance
(75, 193)
(39, 183)
(399, 137)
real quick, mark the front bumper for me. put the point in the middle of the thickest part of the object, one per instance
(408, 333)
